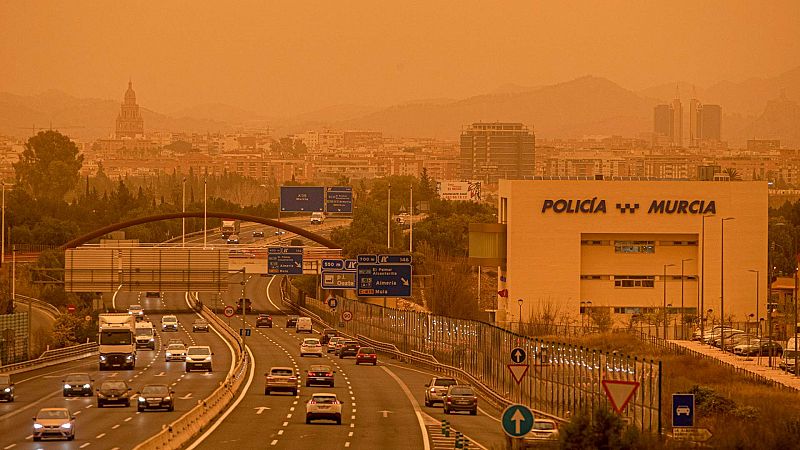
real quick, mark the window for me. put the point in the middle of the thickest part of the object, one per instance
(634, 247)
(634, 281)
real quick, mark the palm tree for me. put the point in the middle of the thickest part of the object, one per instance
(733, 174)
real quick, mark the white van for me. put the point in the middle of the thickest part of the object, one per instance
(303, 325)
(317, 218)
(145, 335)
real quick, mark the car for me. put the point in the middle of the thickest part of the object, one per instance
(332, 343)
(264, 320)
(155, 396)
(303, 325)
(460, 397)
(349, 348)
(198, 357)
(258, 233)
(176, 341)
(6, 388)
(339, 345)
(543, 429)
(233, 239)
(320, 374)
(280, 379)
(327, 334)
(199, 325)
(175, 352)
(169, 323)
(136, 310)
(113, 392)
(317, 218)
(279, 232)
(324, 407)
(436, 389)
(761, 346)
(739, 338)
(248, 304)
(77, 384)
(53, 422)
(366, 355)
(311, 346)
(152, 294)
(291, 321)
(683, 411)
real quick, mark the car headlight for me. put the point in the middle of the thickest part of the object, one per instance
(87, 386)
(7, 389)
(142, 399)
(166, 399)
(67, 386)
(66, 425)
(129, 357)
(102, 358)
(152, 339)
(169, 354)
(38, 426)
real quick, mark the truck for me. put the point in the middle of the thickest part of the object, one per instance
(229, 227)
(145, 335)
(117, 342)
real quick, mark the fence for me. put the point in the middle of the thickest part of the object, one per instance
(14, 337)
(51, 357)
(562, 378)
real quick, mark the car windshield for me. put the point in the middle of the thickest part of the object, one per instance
(282, 372)
(461, 391)
(366, 350)
(53, 414)
(325, 399)
(320, 369)
(155, 390)
(144, 331)
(263, 316)
(444, 382)
(176, 347)
(199, 351)
(134, 308)
(311, 341)
(169, 319)
(115, 337)
(350, 343)
(5, 380)
(543, 425)
(75, 379)
(116, 385)
(200, 322)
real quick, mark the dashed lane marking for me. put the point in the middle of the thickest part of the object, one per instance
(100, 436)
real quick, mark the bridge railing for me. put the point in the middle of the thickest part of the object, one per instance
(22, 301)
(561, 378)
(51, 357)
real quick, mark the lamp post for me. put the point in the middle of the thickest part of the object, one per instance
(722, 281)
(747, 356)
(665, 298)
(3, 231)
(683, 334)
(701, 291)
(520, 315)
(708, 314)
(389, 217)
(758, 274)
(411, 228)
(760, 342)
(205, 211)
(183, 219)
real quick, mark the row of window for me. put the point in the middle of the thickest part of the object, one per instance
(635, 281)
(637, 246)
(639, 310)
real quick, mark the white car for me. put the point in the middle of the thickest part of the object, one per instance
(543, 429)
(175, 352)
(54, 422)
(311, 346)
(324, 407)
(198, 357)
(169, 323)
(136, 310)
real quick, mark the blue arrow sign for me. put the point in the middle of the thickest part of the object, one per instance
(517, 420)
(368, 259)
(683, 410)
(518, 355)
(394, 259)
(332, 264)
(383, 280)
(285, 261)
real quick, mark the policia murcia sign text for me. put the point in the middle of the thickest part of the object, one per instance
(595, 205)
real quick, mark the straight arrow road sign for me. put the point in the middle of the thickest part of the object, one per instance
(517, 420)
(619, 393)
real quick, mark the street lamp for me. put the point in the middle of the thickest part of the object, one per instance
(3, 230)
(183, 219)
(520, 315)
(701, 291)
(722, 281)
(683, 334)
(665, 298)
(205, 211)
(757, 290)
(389, 217)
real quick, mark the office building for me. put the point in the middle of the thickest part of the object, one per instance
(711, 126)
(495, 151)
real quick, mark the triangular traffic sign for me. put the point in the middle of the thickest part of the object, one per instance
(518, 371)
(619, 393)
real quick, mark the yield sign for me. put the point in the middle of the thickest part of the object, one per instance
(518, 371)
(620, 393)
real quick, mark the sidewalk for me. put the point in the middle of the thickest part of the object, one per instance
(754, 364)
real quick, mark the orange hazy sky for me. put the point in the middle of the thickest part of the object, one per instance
(286, 57)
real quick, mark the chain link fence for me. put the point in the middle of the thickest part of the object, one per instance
(14, 337)
(561, 380)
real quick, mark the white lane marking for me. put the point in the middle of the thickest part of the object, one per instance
(85, 445)
(273, 442)
(285, 423)
(350, 434)
(100, 436)
(417, 410)
(289, 416)
(114, 298)
(9, 446)
(127, 419)
(280, 432)
(186, 396)
(291, 409)
(347, 444)
(115, 427)
(77, 412)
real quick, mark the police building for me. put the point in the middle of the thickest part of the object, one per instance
(582, 246)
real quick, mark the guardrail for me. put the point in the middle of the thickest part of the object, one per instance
(52, 357)
(39, 304)
(178, 433)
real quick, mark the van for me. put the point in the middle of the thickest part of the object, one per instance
(317, 218)
(303, 325)
(145, 335)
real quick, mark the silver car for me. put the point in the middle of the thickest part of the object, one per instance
(54, 423)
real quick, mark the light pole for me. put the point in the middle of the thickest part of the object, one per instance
(411, 227)
(749, 316)
(389, 217)
(3, 231)
(760, 339)
(722, 281)
(701, 291)
(183, 219)
(757, 291)
(205, 211)
(520, 315)
(683, 335)
(665, 298)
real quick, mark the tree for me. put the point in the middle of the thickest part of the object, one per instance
(427, 188)
(49, 166)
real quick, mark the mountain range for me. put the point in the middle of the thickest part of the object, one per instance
(589, 105)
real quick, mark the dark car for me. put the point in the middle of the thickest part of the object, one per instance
(113, 392)
(319, 374)
(461, 397)
(6, 388)
(258, 233)
(291, 321)
(248, 304)
(349, 348)
(155, 396)
(366, 355)
(78, 384)
(200, 325)
(264, 320)
(327, 334)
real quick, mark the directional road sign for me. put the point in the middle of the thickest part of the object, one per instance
(619, 393)
(683, 410)
(518, 371)
(350, 264)
(394, 259)
(285, 261)
(302, 198)
(383, 280)
(332, 264)
(338, 280)
(518, 355)
(229, 311)
(517, 420)
(369, 259)
(339, 199)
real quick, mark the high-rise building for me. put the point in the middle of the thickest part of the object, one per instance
(711, 126)
(494, 151)
(662, 122)
(695, 122)
(129, 121)
(677, 122)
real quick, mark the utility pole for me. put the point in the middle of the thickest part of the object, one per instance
(183, 219)
(665, 299)
(722, 282)
(411, 225)
(389, 217)
(205, 211)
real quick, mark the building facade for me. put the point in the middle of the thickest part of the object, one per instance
(129, 121)
(607, 245)
(494, 151)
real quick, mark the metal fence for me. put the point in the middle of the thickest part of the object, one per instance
(14, 337)
(562, 378)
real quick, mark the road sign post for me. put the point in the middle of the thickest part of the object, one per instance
(619, 393)
(383, 276)
(285, 261)
(229, 311)
(683, 410)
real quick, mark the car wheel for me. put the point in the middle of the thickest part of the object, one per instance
(356, 362)
(71, 437)
(446, 411)
(139, 409)
(341, 356)
(99, 404)
(427, 403)
(375, 363)
(37, 439)
(474, 412)
(331, 383)
(266, 391)
(338, 421)
(128, 404)
(187, 370)
(171, 408)
(308, 420)
(209, 370)
(308, 384)
(294, 392)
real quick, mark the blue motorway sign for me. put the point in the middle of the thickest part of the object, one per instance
(682, 410)
(285, 261)
(350, 265)
(517, 420)
(368, 259)
(302, 198)
(338, 279)
(383, 280)
(332, 264)
(394, 259)
(339, 199)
